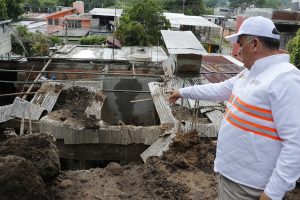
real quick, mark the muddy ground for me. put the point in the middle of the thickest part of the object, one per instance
(184, 172)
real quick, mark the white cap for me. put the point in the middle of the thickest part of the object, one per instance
(257, 26)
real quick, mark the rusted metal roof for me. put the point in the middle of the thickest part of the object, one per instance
(286, 15)
(219, 68)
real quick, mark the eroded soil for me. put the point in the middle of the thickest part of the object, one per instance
(185, 172)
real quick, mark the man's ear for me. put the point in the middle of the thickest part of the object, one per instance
(254, 42)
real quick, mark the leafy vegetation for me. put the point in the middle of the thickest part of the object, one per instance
(188, 7)
(42, 3)
(10, 9)
(93, 40)
(141, 25)
(294, 49)
(276, 4)
(35, 44)
(3, 10)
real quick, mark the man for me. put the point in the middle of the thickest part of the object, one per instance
(258, 150)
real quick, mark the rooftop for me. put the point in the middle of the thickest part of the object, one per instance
(181, 19)
(182, 42)
(157, 54)
(106, 12)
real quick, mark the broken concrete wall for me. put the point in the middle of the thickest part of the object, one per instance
(123, 135)
(118, 107)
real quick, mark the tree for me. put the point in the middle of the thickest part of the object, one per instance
(257, 3)
(190, 7)
(11, 9)
(34, 44)
(14, 8)
(133, 33)
(293, 47)
(93, 40)
(3, 10)
(142, 24)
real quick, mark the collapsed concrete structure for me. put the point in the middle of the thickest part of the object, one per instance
(128, 105)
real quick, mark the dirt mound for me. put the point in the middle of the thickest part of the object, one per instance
(160, 178)
(71, 106)
(40, 149)
(191, 151)
(20, 179)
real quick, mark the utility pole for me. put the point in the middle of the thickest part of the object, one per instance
(66, 31)
(113, 34)
(183, 2)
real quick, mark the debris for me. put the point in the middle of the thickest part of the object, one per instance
(38, 148)
(20, 179)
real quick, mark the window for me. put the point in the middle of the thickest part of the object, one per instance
(74, 24)
(56, 21)
(50, 22)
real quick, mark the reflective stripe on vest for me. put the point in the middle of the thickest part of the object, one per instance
(252, 111)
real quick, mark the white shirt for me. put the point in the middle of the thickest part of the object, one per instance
(261, 148)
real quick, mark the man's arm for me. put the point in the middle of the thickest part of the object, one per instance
(285, 103)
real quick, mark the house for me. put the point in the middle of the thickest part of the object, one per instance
(33, 26)
(201, 27)
(72, 18)
(104, 19)
(185, 51)
(222, 11)
(216, 19)
(5, 41)
(295, 5)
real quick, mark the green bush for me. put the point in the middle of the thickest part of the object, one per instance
(54, 40)
(293, 47)
(93, 40)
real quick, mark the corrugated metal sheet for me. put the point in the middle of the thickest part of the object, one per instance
(214, 115)
(96, 106)
(162, 106)
(24, 109)
(182, 42)
(47, 95)
(106, 12)
(204, 130)
(5, 113)
(65, 49)
(158, 147)
(219, 68)
(5, 39)
(181, 19)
